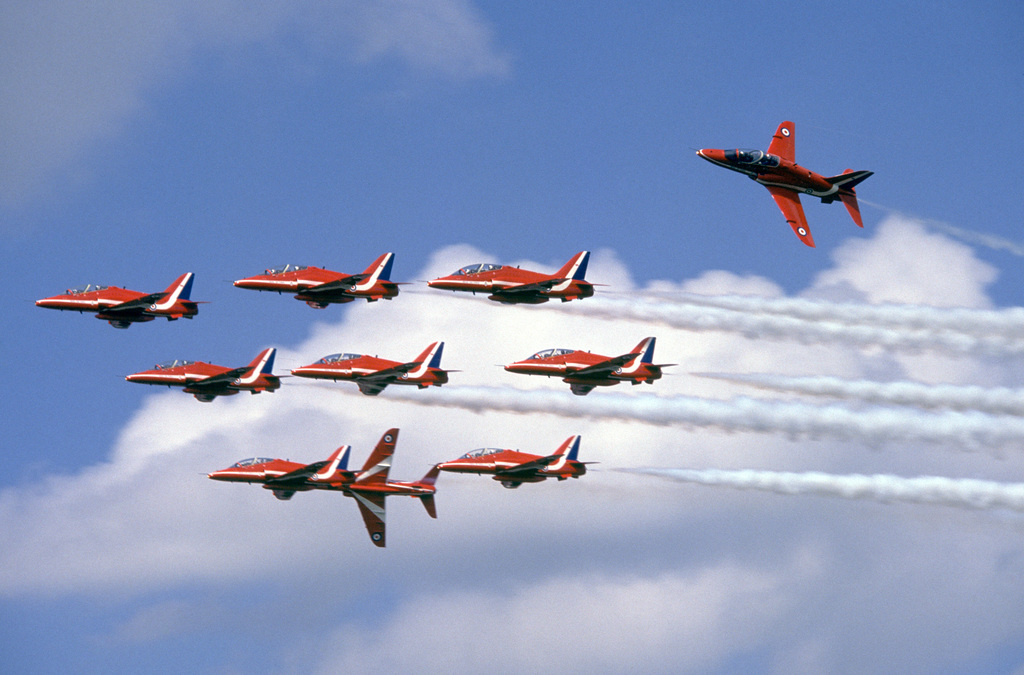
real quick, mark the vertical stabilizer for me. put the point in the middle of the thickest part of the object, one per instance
(378, 464)
(181, 289)
(379, 269)
(576, 268)
(430, 358)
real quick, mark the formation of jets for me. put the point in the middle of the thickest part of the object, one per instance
(370, 486)
(778, 171)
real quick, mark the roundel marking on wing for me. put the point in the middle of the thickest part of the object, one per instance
(785, 131)
(388, 438)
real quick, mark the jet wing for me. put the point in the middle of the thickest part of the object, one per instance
(136, 306)
(604, 367)
(581, 389)
(372, 508)
(784, 142)
(789, 203)
(531, 467)
(299, 475)
(336, 285)
(535, 287)
(374, 383)
(220, 380)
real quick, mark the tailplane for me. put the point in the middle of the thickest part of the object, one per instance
(846, 182)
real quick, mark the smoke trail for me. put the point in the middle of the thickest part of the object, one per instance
(763, 318)
(969, 236)
(796, 419)
(961, 492)
(992, 401)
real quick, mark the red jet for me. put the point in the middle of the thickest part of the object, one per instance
(318, 287)
(583, 371)
(778, 171)
(122, 307)
(372, 374)
(514, 285)
(513, 468)
(206, 381)
(369, 486)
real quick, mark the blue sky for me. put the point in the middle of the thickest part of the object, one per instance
(222, 138)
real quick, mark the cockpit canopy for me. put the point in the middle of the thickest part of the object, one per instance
(335, 358)
(755, 157)
(88, 288)
(250, 462)
(481, 452)
(477, 268)
(548, 353)
(173, 364)
(281, 269)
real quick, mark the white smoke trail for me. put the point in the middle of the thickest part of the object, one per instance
(969, 236)
(764, 318)
(1008, 323)
(989, 400)
(959, 492)
(970, 430)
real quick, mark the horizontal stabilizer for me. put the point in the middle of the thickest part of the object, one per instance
(849, 178)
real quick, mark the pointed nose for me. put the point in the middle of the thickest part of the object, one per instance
(46, 302)
(516, 367)
(245, 283)
(712, 155)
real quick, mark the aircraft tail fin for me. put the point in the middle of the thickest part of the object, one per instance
(378, 464)
(263, 364)
(180, 289)
(846, 181)
(566, 452)
(379, 269)
(431, 477)
(430, 358)
(576, 268)
(337, 460)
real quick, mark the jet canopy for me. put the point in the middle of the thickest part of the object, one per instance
(88, 288)
(753, 157)
(481, 452)
(173, 364)
(281, 269)
(548, 353)
(335, 358)
(478, 267)
(250, 462)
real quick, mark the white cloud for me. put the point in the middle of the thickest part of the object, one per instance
(74, 73)
(617, 569)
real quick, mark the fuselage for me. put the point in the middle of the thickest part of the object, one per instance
(492, 278)
(772, 170)
(565, 362)
(96, 299)
(299, 278)
(495, 461)
(190, 375)
(356, 366)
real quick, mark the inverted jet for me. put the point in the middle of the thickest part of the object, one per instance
(369, 486)
(778, 171)
(122, 307)
(512, 285)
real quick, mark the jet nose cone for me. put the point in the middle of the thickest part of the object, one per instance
(712, 154)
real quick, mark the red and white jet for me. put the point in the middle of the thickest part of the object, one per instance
(513, 468)
(583, 371)
(514, 285)
(372, 374)
(122, 307)
(206, 381)
(318, 287)
(369, 486)
(778, 171)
